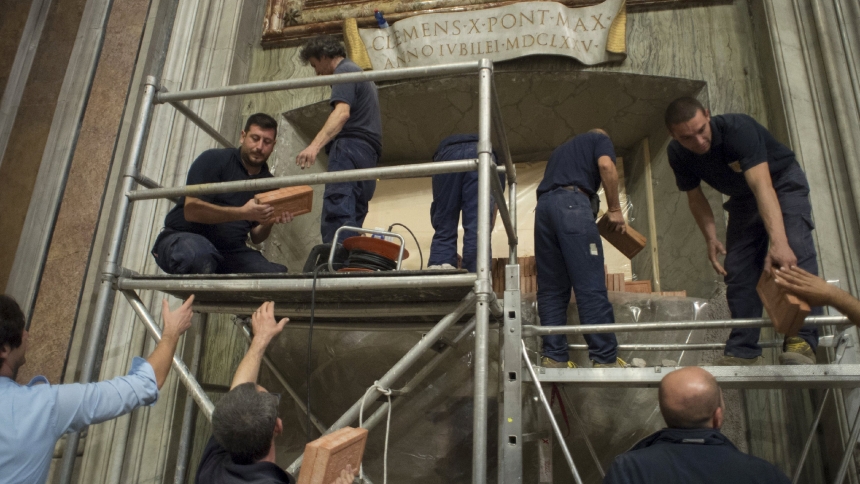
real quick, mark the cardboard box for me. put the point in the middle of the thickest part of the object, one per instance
(296, 200)
(326, 457)
(629, 244)
(786, 311)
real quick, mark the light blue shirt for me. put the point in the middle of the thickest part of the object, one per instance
(34, 416)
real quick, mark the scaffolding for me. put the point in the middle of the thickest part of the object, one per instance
(468, 291)
(453, 294)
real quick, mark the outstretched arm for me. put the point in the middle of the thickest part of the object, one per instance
(335, 122)
(265, 329)
(175, 323)
(609, 178)
(817, 292)
(701, 210)
(779, 254)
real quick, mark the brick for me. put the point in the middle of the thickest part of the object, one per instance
(638, 286)
(296, 200)
(629, 243)
(786, 310)
(326, 457)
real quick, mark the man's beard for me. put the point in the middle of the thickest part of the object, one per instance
(246, 158)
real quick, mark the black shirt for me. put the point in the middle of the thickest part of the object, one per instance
(575, 163)
(213, 166)
(364, 121)
(738, 143)
(682, 456)
(216, 467)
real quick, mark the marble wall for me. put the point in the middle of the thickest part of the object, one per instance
(30, 131)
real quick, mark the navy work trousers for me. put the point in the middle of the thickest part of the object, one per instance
(346, 203)
(454, 193)
(569, 255)
(188, 253)
(746, 248)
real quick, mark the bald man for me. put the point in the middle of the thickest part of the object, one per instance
(691, 448)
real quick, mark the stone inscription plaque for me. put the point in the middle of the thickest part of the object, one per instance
(592, 35)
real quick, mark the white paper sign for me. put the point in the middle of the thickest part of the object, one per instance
(501, 33)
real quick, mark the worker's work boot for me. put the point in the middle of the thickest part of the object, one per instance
(796, 351)
(727, 360)
(548, 362)
(618, 363)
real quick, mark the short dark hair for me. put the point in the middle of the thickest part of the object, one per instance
(11, 323)
(243, 422)
(682, 110)
(263, 120)
(320, 47)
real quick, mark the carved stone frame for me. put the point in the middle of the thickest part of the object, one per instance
(289, 22)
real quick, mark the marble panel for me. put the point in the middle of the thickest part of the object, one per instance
(32, 126)
(79, 211)
(15, 13)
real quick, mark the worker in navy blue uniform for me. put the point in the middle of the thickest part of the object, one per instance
(691, 448)
(352, 137)
(206, 234)
(770, 217)
(568, 249)
(454, 193)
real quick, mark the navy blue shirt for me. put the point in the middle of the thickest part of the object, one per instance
(575, 163)
(364, 121)
(683, 456)
(738, 143)
(217, 467)
(214, 166)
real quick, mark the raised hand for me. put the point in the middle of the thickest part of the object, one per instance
(263, 322)
(176, 322)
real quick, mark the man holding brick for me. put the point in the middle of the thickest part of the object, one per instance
(568, 249)
(770, 217)
(207, 234)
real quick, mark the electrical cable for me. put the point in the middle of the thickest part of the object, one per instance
(420, 255)
(387, 392)
(369, 260)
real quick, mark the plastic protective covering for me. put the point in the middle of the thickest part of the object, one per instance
(431, 426)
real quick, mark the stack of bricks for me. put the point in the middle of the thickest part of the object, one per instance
(528, 274)
(528, 280)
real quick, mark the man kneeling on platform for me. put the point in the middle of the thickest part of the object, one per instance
(692, 448)
(207, 234)
(245, 421)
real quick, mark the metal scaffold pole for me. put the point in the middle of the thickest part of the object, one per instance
(110, 268)
(483, 285)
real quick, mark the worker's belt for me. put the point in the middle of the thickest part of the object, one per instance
(573, 188)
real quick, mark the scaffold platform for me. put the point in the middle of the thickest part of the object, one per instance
(765, 376)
